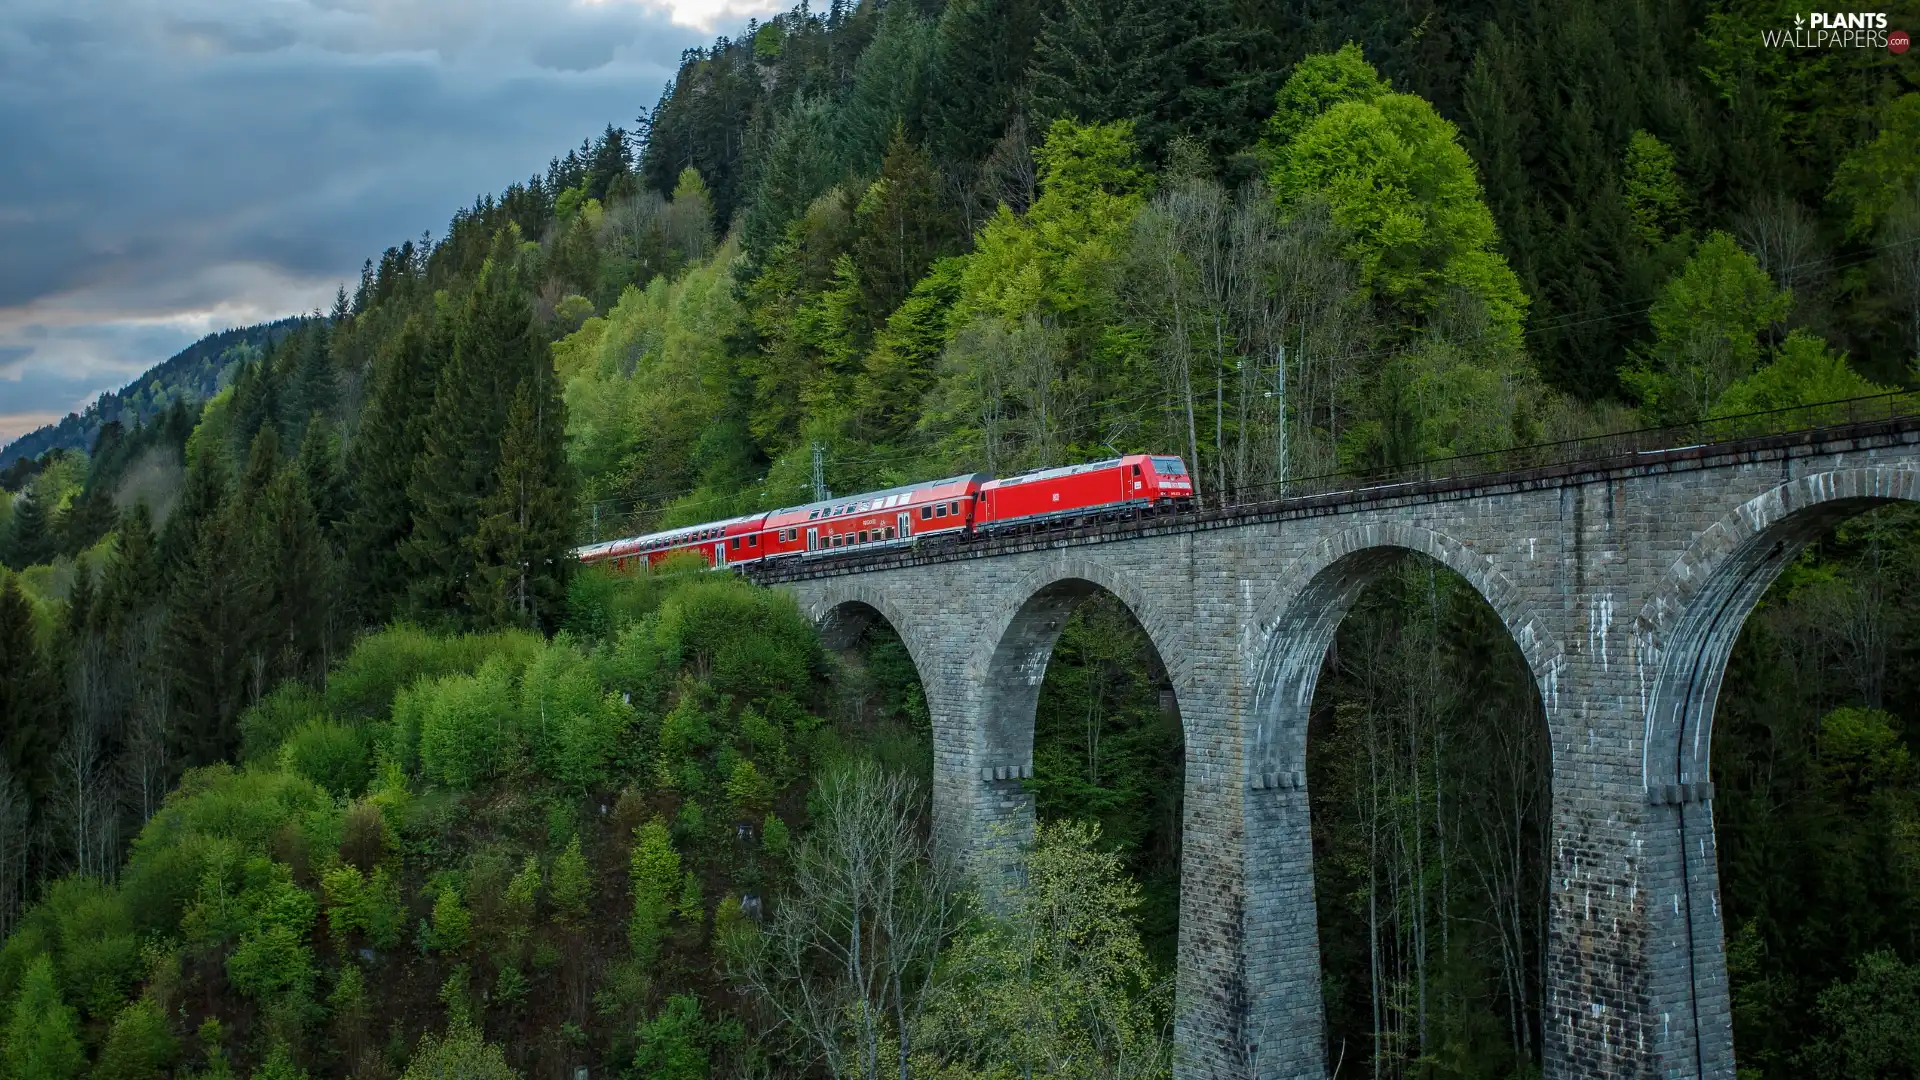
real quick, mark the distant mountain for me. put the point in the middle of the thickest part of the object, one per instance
(193, 374)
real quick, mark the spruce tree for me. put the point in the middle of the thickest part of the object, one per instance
(320, 470)
(1102, 60)
(43, 1034)
(294, 568)
(521, 548)
(211, 646)
(28, 704)
(391, 436)
(30, 540)
(905, 224)
(200, 502)
(90, 517)
(494, 349)
(980, 63)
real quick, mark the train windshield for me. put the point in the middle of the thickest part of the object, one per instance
(1169, 466)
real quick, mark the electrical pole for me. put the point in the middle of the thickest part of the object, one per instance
(1280, 391)
(820, 492)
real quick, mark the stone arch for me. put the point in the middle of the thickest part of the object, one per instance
(1291, 632)
(1682, 640)
(1023, 628)
(844, 608)
(1009, 664)
(1284, 647)
(1686, 630)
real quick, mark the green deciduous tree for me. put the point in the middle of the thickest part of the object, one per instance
(1655, 200)
(654, 869)
(1707, 325)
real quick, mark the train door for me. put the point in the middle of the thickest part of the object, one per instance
(906, 524)
(813, 539)
(720, 553)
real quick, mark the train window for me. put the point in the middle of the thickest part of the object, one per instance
(735, 544)
(940, 511)
(953, 508)
(812, 514)
(889, 531)
(926, 513)
(1171, 466)
(1136, 470)
(863, 536)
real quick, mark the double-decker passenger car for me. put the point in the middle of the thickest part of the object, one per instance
(718, 542)
(892, 516)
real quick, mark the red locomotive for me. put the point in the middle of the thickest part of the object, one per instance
(960, 505)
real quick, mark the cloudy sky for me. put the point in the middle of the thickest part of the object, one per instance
(170, 168)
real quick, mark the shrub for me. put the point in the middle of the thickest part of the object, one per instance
(363, 834)
(671, 1045)
(366, 683)
(573, 724)
(452, 923)
(461, 1053)
(266, 725)
(571, 887)
(749, 642)
(517, 906)
(749, 789)
(331, 755)
(139, 1047)
(774, 836)
(655, 871)
(468, 729)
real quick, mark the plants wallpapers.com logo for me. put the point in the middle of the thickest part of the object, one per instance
(1838, 30)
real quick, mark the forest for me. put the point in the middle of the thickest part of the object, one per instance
(322, 759)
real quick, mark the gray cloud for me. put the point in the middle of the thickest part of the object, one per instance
(172, 167)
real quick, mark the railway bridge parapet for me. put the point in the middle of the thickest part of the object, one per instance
(1623, 582)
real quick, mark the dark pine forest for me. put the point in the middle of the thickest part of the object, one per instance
(320, 758)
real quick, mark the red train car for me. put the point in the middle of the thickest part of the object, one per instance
(893, 516)
(1133, 480)
(720, 543)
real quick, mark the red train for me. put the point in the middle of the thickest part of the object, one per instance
(975, 503)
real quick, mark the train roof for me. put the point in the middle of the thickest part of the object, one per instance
(1064, 470)
(882, 493)
(664, 534)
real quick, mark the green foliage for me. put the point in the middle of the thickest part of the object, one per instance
(749, 790)
(1804, 372)
(139, 1046)
(1318, 83)
(1707, 325)
(1655, 200)
(279, 1065)
(1396, 178)
(775, 836)
(672, 1045)
(1874, 178)
(385, 662)
(1059, 985)
(654, 870)
(469, 728)
(452, 922)
(570, 887)
(89, 932)
(574, 725)
(42, 1034)
(746, 642)
(461, 1054)
(1867, 1021)
(331, 755)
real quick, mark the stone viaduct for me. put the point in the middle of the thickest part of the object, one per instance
(1623, 581)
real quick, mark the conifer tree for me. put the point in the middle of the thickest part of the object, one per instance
(1097, 61)
(30, 539)
(980, 62)
(132, 583)
(904, 224)
(27, 692)
(391, 436)
(43, 1035)
(521, 546)
(209, 646)
(494, 349)
(200, 502)
(320, 470)
(294, 567)
(90, 517)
